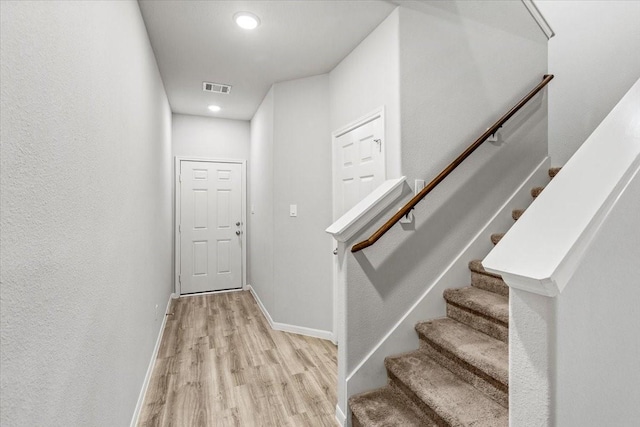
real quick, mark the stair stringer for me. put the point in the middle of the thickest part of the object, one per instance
(370, 373)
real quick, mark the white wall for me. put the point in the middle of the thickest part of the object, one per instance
(573, 318)
(368, 78)
(459, 72)
(303, 274)
(597, 326)
(210, 137)
(462, 67)
(290, 258)
(86, 211)
(260, 242)
(594, 56)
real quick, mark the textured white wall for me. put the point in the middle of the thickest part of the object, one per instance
(594, 56)
(303, 269)
(260, 243)
(295, 280)
(460, 72)
(369, 78)
(597, 345)
(86, 211)
(454, 89)
(210, 137)
(573, 357)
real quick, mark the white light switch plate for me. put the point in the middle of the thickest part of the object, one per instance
(293, 210)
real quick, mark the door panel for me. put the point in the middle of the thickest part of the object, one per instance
(210, 239)
(360, 167)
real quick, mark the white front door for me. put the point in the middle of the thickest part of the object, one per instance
(210, 226)
(359, 163)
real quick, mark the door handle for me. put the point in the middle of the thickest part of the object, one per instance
(238, 224)
(335, 251)
(238, 232)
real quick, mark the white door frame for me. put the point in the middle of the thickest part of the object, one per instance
(176, 211)
(337, 276)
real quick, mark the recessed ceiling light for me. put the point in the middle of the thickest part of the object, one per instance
(214, 108)
(246, 20)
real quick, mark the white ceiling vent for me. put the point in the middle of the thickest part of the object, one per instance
(216, 87)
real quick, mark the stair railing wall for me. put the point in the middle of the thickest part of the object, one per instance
(571, 262)
(407, 208)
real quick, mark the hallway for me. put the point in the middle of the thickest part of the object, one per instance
(220, 364)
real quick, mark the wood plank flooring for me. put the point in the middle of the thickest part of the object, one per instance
(221, 364)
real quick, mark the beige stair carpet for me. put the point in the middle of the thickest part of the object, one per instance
(459, 375)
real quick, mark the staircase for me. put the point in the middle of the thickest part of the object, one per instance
(459, 376)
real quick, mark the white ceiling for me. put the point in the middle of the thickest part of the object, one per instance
(196, 41)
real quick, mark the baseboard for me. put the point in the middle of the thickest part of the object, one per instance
(284, 327)
(341, 417)
(152, 362)
(199, 294)
(370, 372)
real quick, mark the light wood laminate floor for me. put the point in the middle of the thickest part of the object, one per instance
(221, 364)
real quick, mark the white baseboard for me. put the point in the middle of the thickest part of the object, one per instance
(370, 372)
(152, 362)
(341, 417)
(284, 327)
(199, 294)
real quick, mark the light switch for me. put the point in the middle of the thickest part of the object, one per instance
(419, 185)
(293, 210)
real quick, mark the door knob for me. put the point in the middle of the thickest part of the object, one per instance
(238, 232)
(238, 224)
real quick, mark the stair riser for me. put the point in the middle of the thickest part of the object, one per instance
(385, 406)
(476, 267)
(489, 283)
(480, 380)
(402, 388)
(492, 327)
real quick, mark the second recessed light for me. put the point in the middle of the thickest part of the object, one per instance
(214, 108)
(246, 20)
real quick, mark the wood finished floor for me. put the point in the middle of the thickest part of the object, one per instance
(221, 364)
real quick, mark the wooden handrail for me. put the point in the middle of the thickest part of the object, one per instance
(442, 175)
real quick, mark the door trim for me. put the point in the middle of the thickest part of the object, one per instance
(176, 215)
(372, 115)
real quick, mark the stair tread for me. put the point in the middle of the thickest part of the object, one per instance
(477, 267)
(487, 354)
(455, 401)
(386, 407)
(478, 300)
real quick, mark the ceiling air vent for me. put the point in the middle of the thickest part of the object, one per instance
(216, 87)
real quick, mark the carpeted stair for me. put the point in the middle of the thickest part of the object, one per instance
(459, 376)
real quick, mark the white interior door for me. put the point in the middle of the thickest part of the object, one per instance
(359, 163)
(210, 226)
(358, 168)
